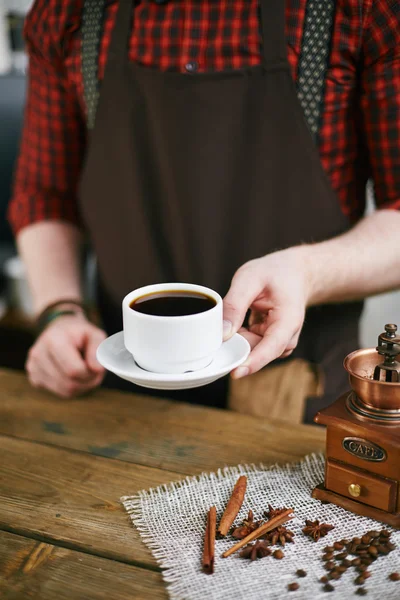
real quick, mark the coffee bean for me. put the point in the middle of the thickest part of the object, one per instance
(361, 568)
(374, 533)
(391, 546)
(362, 592)
(383, 550)
(278, 554)
(324, 579)
(328, 549)
(346, 563)
(334, 575)
(375, 542)
(366, 539)
(385, 533)
(394, 576)
(373, 550)
(328, 587)
(341, 555)
(344, 542)
(359, 580)
(329, 565)
(338, 546)
(301, 573)
(367, 574)
(353, 548)
(328, 556)
(292, 587)
(356, 561)
(341, 569)
(356, 540)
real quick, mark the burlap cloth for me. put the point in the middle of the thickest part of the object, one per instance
(171, 520)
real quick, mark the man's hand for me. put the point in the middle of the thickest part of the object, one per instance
(63, 359)
(275, 289)
(279, 287)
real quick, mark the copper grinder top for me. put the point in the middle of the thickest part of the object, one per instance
(375, 382)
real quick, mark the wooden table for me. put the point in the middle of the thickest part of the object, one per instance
(64, 464)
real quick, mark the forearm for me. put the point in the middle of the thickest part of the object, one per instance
(362, 262)
(50, 251)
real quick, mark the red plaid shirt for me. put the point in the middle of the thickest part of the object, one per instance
(360, 133)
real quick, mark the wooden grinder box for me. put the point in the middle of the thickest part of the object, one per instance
(362, 470)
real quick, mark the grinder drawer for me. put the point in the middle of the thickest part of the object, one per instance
(360, 485)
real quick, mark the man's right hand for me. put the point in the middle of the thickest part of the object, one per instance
(63, 358)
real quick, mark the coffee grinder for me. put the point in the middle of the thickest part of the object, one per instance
(362, 471)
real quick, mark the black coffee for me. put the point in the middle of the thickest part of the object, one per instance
(173, 303)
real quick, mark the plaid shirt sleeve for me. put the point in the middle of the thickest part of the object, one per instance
(380, 99)
(53, 137)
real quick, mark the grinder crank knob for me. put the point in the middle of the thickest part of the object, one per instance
(391, 329)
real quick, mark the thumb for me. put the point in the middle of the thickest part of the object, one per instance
(242, 293)
(93, 340)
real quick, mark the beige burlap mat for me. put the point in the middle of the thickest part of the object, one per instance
(171, 520)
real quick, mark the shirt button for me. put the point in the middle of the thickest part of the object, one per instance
(192, 66)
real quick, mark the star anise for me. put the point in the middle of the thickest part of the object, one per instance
(316, 530)
(279, 535)
(248, 526)
(273, 512)
(257, 550)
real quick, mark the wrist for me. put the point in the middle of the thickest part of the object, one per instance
(322, 271)
(306, 257)
(61, 308)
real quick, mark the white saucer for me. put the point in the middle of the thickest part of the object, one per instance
(114, 357)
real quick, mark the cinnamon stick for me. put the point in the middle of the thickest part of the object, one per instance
(271, 524)
(209, 541)
(234, 505)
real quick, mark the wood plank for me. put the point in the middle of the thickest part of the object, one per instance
(31, 569)
(158, 433)
(72, 499)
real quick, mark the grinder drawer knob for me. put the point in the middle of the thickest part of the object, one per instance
(354, 490)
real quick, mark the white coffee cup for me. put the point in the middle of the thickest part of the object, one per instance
(172, 344)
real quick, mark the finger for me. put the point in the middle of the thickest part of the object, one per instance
(71, 389)
(92, 343)
(256, 318)
(48, 366)
(38, 363)
(62, 387)
(35, 376)
(66, 382)
(286, 354)
(245, 287)
(251, 337)
(67, 357)
(45, 374)
(259, 331)
(272, 346)
(259, 328)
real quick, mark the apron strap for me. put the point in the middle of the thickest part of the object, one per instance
(92, 28)
(314, 60)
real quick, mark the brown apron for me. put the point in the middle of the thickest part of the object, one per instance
(188, 176)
